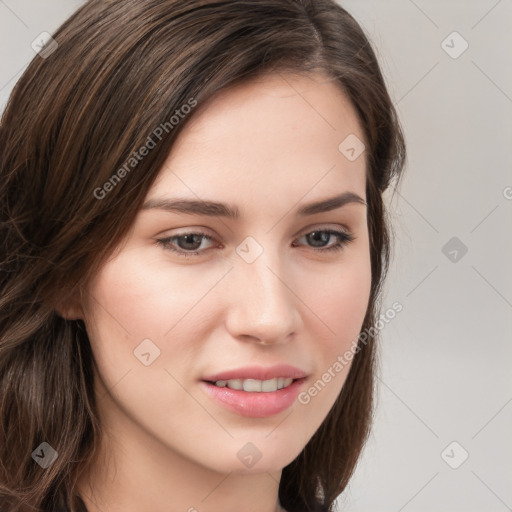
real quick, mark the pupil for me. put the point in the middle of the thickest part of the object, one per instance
(189, 239)
(323, 235)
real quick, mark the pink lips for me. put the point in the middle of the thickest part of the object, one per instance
(256, 404)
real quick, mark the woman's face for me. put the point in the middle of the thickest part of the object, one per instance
(277, 293)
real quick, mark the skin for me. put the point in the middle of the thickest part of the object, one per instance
(268, 147)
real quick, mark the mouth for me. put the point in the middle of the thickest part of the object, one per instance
(256, 392)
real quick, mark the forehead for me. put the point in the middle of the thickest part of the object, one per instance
(278, 133)
(271, 103)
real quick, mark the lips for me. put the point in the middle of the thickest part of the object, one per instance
(258, 373)
(255, 403)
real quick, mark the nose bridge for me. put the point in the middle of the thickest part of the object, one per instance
(262, 305)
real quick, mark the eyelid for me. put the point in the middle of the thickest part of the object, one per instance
(323, 227)
(186, 230)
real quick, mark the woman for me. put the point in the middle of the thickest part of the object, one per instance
(194, 240)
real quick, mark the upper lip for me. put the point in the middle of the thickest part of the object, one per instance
(258, 373)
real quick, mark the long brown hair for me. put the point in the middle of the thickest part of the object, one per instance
(75, 118)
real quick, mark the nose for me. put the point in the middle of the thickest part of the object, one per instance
(262, 307)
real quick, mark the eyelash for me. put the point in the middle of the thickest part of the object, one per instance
(344, 238)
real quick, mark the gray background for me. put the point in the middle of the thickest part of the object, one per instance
(445, 359)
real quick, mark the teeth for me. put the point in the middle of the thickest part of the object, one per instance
(254, 385)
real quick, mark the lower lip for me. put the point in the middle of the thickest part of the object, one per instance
(255, 404)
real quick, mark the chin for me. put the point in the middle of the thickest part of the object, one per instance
(255, 456)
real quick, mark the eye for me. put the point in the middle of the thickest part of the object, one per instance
(189, 244)
(321, 237)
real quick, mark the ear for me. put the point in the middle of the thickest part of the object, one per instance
(69, 313)
(71, 308)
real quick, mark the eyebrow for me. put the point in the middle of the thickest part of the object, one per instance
(215, 209)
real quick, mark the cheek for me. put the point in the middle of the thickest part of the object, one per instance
(136, 309)
(341, 300)
(135, 298)
(130, 302)
(144, 298)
